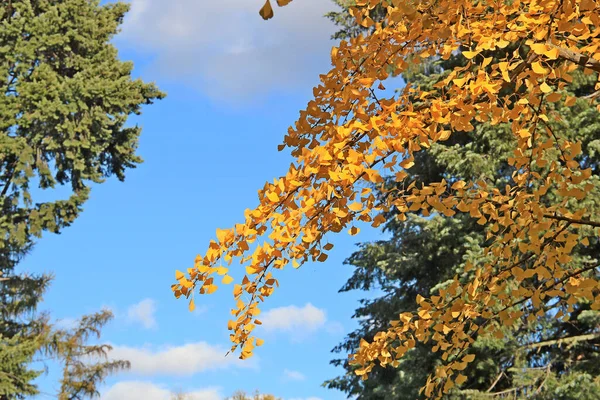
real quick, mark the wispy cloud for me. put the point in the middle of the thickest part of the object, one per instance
(294, 319)
(293, 375)
(182, 360)
(143, 313)
(225, 49)
(305, 398)
(134, 390)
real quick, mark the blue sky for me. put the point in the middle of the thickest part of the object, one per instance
(234, 83)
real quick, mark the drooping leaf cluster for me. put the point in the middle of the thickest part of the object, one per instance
(352, 135)
(425, 253)
(63, 118)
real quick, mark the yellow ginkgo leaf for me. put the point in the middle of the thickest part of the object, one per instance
(192, 306)
(459, 81)
(211, 289)
(227, 279)
(179, 275)
(266, 12)
(273, 197)
(545, 88)
(539, 48)
(224, 235)
(469, 54)
(259, 342)
(460, 379)
(552, 54)
(538, 68)
(356, 206)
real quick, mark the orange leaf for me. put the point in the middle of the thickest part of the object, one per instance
(554, 97)
(353, 231)
(266, 12)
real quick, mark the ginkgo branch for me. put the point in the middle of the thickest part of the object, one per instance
(573, 220)
(577, 58)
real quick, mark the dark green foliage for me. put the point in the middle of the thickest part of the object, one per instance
(22, 331)
(62, 125)
(63, 115)
(15, 376)
(545, 359)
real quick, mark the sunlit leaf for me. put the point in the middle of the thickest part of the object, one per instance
(266, 12)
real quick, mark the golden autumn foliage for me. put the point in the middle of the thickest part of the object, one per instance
(351, 135)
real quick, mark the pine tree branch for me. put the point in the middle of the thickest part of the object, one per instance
(9, 178)
(569, 339)
(495, 381)
(539, 389)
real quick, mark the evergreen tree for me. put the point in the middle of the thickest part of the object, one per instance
(85, 366)
(546, 358)
(15, 376)
(62, 124)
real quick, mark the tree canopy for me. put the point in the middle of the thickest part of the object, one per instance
(63, 118)
(352, 135)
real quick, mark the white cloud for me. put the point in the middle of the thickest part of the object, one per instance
(134, 390)
(182, 360)
(298, 321)
(225, 49)
(307, 398)
(143, 313)
(293, 375)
